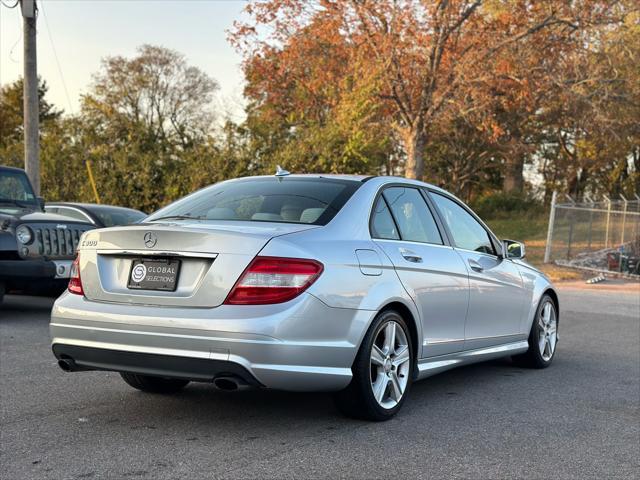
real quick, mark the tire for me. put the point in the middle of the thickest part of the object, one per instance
(543, 337)
(153, 384)
(385, 372)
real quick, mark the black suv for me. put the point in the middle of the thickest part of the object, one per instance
(36, 248)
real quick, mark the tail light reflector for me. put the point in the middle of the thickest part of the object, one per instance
(75, 283)
(273, 280)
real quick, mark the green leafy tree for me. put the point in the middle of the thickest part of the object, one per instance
(155, 95)
(12, 110)
(144, 120)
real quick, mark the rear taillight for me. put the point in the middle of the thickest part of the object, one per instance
(274, 280)
(75, 283)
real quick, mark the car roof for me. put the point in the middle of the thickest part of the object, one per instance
(352, 177)
(12, 169)
(336, 176)
(331, 176)
(384, 179)
(374, 179)
(89, 206)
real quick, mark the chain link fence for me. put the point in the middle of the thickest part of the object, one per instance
(599, 235)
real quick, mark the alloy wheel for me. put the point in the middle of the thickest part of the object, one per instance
(390, 365)
(547, 331)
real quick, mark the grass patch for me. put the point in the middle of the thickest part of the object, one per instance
(521, 228)
(561, 274)
(532, 230)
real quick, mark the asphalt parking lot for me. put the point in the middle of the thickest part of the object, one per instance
(578, 419)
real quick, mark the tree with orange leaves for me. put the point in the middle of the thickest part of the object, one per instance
(427, 59)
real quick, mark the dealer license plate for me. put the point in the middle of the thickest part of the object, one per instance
(154, 274)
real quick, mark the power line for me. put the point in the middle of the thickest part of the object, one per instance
(13, 47)
(55, 55)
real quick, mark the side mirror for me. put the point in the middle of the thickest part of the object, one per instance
(513, 249)
(41, 203)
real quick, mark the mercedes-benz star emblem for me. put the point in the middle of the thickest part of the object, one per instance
(150, 239)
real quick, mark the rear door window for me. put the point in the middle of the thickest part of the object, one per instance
(412, 215)
(382, 224)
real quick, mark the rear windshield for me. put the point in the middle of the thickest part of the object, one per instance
(289, 200)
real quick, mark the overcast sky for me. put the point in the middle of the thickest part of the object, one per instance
(84, 31)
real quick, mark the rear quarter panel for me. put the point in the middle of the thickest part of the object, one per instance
(342, 284)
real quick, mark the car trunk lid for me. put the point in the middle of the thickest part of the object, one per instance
(211, 255)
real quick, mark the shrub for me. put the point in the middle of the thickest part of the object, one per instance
(503, 205)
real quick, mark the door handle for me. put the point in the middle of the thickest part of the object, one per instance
(410, 256)
(475, 266)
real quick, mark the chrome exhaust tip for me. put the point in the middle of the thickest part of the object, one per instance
(66, 365)
(229, 384)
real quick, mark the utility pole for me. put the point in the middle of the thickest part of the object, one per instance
(30, 95)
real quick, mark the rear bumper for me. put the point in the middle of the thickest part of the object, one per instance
(302, 345)
(79, 359)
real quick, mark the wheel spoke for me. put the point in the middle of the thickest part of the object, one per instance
(390, 355)
(402, 356)
(542, 344)
(546, 313)
(377, 356)
(380, 387)
(390, 337)
(395, 387)
(541, 322)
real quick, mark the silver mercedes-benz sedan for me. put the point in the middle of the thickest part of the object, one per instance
(357, 285)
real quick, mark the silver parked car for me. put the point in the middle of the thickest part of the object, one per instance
(357, 285)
